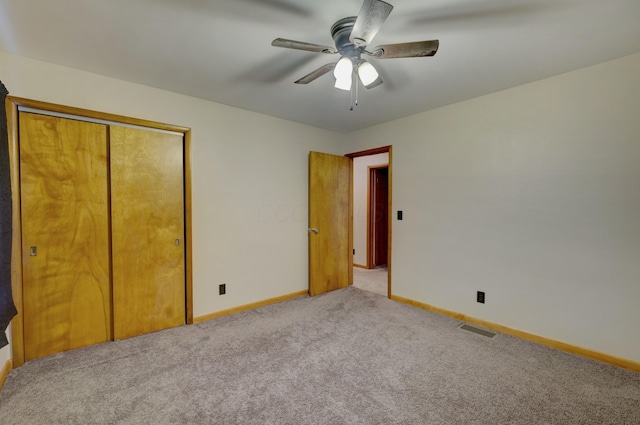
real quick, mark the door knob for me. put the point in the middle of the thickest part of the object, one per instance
(313, 229)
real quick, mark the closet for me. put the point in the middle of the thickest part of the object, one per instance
(102, 212)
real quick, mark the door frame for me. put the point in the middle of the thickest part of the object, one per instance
(375, 151)
(12, 104)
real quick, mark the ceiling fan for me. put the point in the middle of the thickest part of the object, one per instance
(351, 36)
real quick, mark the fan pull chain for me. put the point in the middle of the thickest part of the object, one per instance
(354, 89)
(357, 87)
(351, 93)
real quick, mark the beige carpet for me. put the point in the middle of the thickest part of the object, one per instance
(346, 357)
(372, 280)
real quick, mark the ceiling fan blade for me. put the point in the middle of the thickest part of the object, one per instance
(317, 73)
(416, 49)
(371, 17)
(301, 45)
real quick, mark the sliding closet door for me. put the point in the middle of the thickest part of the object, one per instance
(65, 234)
(147, 205)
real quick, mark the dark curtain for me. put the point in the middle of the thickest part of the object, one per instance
(7, 309)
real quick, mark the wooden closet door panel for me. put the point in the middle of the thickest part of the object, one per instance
(147, 204)
(63, 178)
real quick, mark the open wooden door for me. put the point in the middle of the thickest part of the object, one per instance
(330, 210)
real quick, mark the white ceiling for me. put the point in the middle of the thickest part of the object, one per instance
(221, 50)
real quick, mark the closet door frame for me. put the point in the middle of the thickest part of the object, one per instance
(12, 105)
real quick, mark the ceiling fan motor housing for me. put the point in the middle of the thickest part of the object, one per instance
(340, 32)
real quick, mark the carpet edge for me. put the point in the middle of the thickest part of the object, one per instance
(249, 306)
(558, 345)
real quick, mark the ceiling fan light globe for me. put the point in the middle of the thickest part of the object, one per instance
(367, 73)
(343, 68)
(343, 83)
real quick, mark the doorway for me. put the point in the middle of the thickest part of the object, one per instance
(372, 172)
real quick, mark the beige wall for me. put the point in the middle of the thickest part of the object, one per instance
(529, 194)
(532, 195)
(249, 176)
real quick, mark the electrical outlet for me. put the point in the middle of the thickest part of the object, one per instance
(480, 297)
(222, 289)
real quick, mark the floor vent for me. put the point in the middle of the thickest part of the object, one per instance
(478, 331)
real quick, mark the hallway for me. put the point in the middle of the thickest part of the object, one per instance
(372, 280)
